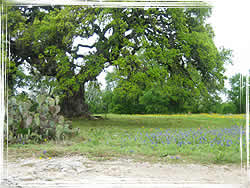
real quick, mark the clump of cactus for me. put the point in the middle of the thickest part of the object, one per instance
(37, 120)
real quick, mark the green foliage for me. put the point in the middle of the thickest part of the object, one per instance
(170, 73)
(172, 49)
(195, 136)
(37, 120)
(155, 101)
(163, 98)
(93, 98)
(237, 97)
(229, 108)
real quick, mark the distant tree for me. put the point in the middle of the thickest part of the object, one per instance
(229, 108)
(94, 97)
(155, 101)
(234, 92)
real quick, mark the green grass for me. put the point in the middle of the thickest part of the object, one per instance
(145, 138)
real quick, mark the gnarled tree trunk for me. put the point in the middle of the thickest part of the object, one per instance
(75, 105)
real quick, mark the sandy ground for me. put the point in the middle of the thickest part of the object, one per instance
(79, 171)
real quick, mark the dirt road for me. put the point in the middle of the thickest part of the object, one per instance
(79, 171)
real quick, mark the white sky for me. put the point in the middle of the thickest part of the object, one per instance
(230, 22)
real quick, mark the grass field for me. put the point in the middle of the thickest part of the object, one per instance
(194, 138)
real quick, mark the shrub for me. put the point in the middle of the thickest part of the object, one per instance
(36, 120)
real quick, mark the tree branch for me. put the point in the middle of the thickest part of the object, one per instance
(84, 46)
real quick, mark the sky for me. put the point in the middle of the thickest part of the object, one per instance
(230, 22)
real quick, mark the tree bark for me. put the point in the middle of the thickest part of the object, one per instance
(75, 105)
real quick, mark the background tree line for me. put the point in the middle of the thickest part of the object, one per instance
(156, 101)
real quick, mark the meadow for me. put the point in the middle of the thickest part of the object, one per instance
(179, 138)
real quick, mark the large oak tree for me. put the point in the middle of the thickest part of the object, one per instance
(173, 47)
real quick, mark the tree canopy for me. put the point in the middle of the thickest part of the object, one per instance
(163, 52)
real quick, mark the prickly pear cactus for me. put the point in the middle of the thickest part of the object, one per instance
(37, 120)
